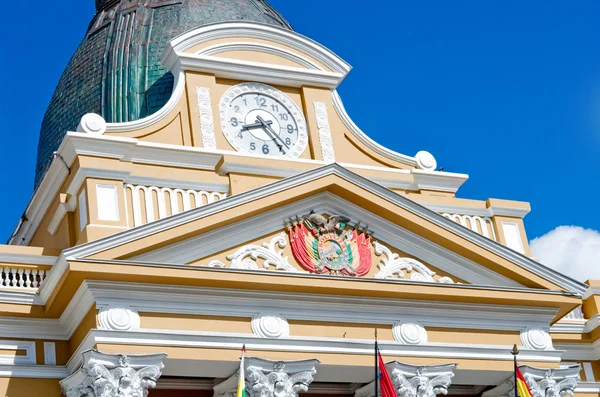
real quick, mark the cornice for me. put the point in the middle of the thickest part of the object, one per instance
(474, 211)
(34, 371)
(576, 326)
(256, 71)
(214, 340)
(590, 292)
(251, 30)
(6, 257)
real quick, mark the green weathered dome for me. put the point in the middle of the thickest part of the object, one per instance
(116, 71)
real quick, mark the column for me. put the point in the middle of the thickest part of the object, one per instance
(415, 381)
(555, 382)
(114, 375)
(266, 378)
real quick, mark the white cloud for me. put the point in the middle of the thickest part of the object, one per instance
(572, 250)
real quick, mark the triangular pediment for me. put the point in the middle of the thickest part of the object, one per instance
(258, 218)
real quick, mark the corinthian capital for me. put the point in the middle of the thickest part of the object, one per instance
(265, 378)
(556, 382)
(415, 381)
(114, 375)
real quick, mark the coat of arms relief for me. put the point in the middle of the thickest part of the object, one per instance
(325, 244)
(329, 245)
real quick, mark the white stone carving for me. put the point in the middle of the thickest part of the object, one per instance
(392, 266)
(170, 201)
(92, 124)
(298, 148)
(415, 381)
(265, 378)
(409, 333)
(481, 225)
(324, 132)
(279, 378)
(537, 339)
(114, 375)
(207, 123)
(245, 258)
(117, 318)
(270, 326)
(555, 382)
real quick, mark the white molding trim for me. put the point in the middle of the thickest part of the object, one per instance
(177, 184)
(28, 259)
(216, 340)
(207, 121)
(257, 71)
(253, 31)
(576, 326)
(474, 211)
(34, 371)
(591, 291)
(295, 306)
(579, 352)
(325, 138)
(260, 47)
(588, 387)
(8, 359)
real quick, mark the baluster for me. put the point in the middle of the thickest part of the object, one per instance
(20, 279)
(5, 277)
(27, 275)
(42, 277)
(13, 278)
(34, 282)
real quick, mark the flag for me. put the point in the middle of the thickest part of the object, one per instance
(241, 389)
(387, 387)
(522, 387)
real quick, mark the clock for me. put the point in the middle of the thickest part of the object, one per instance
(261, 120)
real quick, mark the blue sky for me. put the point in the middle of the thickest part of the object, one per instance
(507, 92)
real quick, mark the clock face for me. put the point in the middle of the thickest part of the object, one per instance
(261, 120)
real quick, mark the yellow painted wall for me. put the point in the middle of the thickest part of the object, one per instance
(24, 387)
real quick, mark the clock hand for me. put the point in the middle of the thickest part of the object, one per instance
(255, 125)
(270, 130)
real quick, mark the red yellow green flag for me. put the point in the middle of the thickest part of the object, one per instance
(241, 389)
(522, 387)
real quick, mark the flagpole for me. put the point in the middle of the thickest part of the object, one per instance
(514, 352)
(376, 366)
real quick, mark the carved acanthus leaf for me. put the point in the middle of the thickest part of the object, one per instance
(393, 266)
(246, 257)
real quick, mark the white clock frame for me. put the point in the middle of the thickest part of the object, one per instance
(244, 88)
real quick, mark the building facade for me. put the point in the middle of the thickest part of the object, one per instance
(201, 187)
